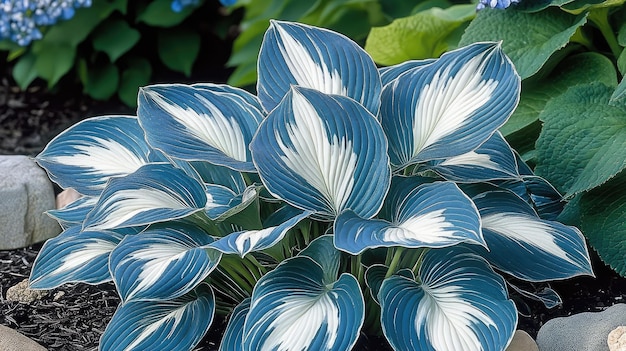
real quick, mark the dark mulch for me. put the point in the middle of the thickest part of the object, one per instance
(74, 316)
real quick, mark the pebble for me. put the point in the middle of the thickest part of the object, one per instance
(26, 193)
(23, 294)
(522, 342)
(617, 339)
(586, 331)
(11, 340)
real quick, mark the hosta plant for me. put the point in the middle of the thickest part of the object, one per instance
(341, 199)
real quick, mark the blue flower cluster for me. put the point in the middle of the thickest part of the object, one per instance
(21, 20)
(495, 4)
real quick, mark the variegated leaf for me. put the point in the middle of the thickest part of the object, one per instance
(164, 263)
(390, 73)
(174, 325)
(526, 246)
(308, 155)
(244, 242)
(154, 193)
(315, 58)
(538, 193)
(223, 203)
(292, 308)
(92, 151)
(457, 303)
(74, 256)
(233, 336)
(493, 160)
(74, 213)
(224, 88)
(432, 215)
(216, 127)
(450, 107)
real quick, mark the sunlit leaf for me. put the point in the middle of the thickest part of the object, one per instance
(310, 157)
(176, 325)
(89, 153)
(458, 303)
(154, 193)
(450, 107)
(315, 58)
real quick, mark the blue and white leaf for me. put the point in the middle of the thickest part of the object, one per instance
(154, 193)
(450, 107)
(224, 88)
(176, 325)
(86, 155)
(201, 125)
(457, 303)
(233, 336)
(493, 160)
(310, 156)
(546, 295)
(162, 263)
(526, 246)
(223, 202)
(538, 193)
(74, 256)
(292, 308)
(219, 175)
(243, 242)
(74, 213)
(295, 54)
(432, 215)
(390, 73)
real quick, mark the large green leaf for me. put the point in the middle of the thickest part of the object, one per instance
(604, 221)
(427, 32)
(136, 75)
(583, 141)
(528, 39)
(160, 14)
(102, 81)
(54, 60)
(115, 38)
(24, 71)
(578, 69)
(178, 49)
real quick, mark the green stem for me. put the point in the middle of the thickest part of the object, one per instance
(397, 255)
(600, 17)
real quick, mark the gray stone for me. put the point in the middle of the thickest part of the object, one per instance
(581, 332)
(10, 340)
(23, 294)
(25, 194)
(522, 342)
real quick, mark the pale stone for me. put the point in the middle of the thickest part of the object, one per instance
(66, 197)
(11, 340)
(23, 294)
(617, 339)
(25, 193)
(586, 331)
(522, 342)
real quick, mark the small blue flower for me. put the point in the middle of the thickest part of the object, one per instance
(21, 20)
(179, 5)
(495, 4)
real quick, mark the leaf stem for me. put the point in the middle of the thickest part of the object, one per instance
(393, 265)
(600, 17)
